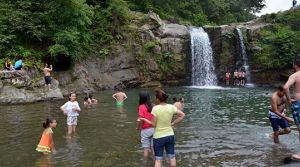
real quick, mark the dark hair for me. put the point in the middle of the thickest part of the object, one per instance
(86, 98)
(297, 61)
(175, 99)
(280, 88)
(46, 124)
(161, 95)
(70, 94)
(180, 99)
(90, 96)
(145, 99)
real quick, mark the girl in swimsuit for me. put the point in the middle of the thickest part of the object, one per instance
(46, 144)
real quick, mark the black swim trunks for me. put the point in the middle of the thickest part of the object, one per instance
(47, 80)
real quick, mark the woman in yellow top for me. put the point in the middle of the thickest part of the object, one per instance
(163, 137)
(46, 144)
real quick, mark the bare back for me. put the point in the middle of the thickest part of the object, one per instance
(119, 96)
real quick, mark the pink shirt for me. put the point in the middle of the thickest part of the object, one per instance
(143, 113)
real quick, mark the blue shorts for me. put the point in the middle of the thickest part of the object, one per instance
(167, 143)
(295, 107)
(276, 122)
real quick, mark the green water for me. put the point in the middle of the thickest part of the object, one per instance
(221, 128)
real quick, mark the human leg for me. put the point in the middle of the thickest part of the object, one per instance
(158, 145)
(170, 149)
(275, 127)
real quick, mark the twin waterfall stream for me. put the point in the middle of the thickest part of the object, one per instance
(203, 70)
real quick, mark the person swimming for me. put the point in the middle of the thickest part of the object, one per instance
(120, 97)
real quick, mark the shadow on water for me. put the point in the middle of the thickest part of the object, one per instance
(222, 127)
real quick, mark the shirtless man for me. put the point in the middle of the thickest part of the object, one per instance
(294, 79)
(120, 97)
(243, 78)
(277, 114)
(47, 77)
(236, 78)
(227, 78)
(179, 104)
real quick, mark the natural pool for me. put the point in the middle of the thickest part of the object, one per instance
(222, 127)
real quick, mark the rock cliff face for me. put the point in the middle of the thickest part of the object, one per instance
(227, 53)
(18, 87)
(156, 58)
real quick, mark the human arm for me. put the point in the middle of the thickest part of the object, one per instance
(50, 69)
(138, 124)
(77, 108)
(180, 116)
(62, 108)
(114, 96)
(125, 96)
(152, 122)
(287, 86)
(52, 143)
(275, 110)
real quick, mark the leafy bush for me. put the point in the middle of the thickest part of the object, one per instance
(279, 47)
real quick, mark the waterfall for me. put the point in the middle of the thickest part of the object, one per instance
(244, 55)
(202, 59)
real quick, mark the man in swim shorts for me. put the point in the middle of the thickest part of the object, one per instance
(227, 78)
(120, 96)
(236, 78)
(277, 115)
(294, 79)
(47, 77)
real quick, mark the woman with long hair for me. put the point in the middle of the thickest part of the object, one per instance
(144, 109)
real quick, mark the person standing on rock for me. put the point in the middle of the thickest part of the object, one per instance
(120, 97)
(227, 78)
(47, 75)
(294, 3)
(236, 77)
(243, 76)
(294, 80)
(277, 115)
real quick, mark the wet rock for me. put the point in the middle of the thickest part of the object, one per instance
(174, 45)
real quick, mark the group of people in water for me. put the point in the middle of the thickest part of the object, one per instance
(239, 78)
(155, 122)
(280, 102)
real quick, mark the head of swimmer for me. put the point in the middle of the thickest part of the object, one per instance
(49, 122)
(297, 62)
(72, 96)
(280, 91)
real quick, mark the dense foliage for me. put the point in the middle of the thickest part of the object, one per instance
(200, 12)
(54, 28)
(39, 29)
(281, 42)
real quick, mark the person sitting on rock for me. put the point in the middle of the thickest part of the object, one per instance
(19, 64)
(7, 65)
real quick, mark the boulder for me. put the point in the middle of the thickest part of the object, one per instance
(173, 30)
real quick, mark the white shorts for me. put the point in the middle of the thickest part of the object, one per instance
(72, 120)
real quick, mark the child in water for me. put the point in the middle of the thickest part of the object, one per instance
(71, 109)
(46, 144)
